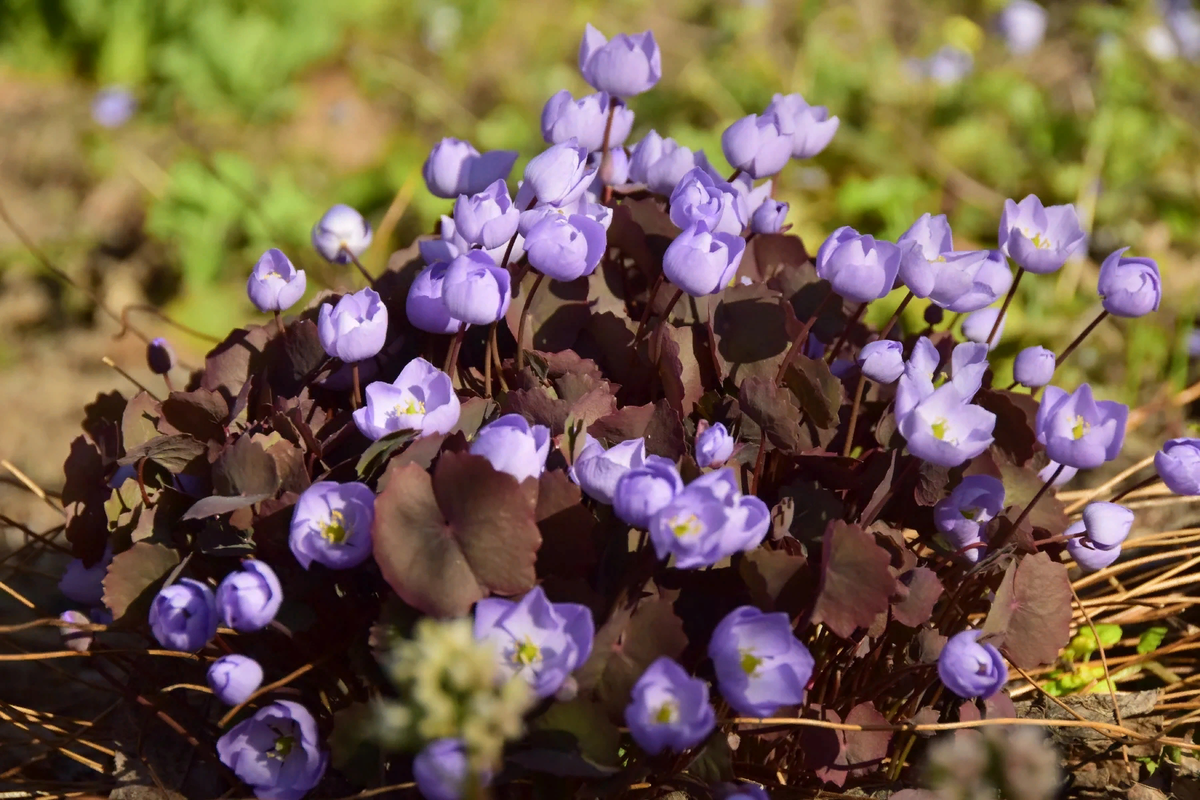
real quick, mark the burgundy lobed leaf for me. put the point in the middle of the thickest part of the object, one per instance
(921, 592)
(447, 541)
(749, 328)
(173, 452)
(1032, 611)
(138, 421)
(772, 409)
(820, 394)
(201, 413)
(133, 572)
(658, 422)
(778, 581)
(856, 583)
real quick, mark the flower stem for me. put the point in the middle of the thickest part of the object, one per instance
(891, 323)
(1079, 339)
(1041, 493)
(1004, 308)
(452, 356)
(759, 462)
(845, 334)
(733, 176)
(487, 361)
(279, 324)
(1150, 481)
(521, 325)
(802, 337)
(854, 408)
(361, 268)
(605, 153)
(356, 398)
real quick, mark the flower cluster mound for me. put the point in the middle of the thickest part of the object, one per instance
(600, 474)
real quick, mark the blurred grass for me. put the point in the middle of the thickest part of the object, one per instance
(255, 116)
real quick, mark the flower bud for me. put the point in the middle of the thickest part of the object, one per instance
(970, 669)
(661, 163)
(488, 219)
(475, 290)
(714, 446)
(597, 470)
(1178, 464)
(356, 328)
(233, 678)
(455, 167)
(882, 361)
(769, 216)
(629, 64)
(760, 146)
(341, 235)
(159, 356)
(585, 120)
(424, 306)
(1034, 366)
(1087, 554)
(643, 491)
(183, 616)
(1107, 524)
(1129, 287)
(860, 268)
(812, 127)
(249, 598)
(703, 263)
(274, 284)
(565, 248)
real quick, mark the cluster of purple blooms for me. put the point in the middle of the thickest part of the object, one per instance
(557, 222)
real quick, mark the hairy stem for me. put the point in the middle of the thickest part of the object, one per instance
(521, 325)
(361, 268)
(1012, 291)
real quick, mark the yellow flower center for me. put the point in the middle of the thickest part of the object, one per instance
(666, 713)
(939, 427)
(941, 259)
(1081, 428)
(526, 653)
(685, 526)
(335, 531)
(750, 662)
(272, 274)
(1039, 241)
(969, 513)
(283, 747)
(411, 407)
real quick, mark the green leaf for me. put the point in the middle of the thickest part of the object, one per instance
(1149, 641)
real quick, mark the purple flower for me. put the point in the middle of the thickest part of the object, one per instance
(962, 516)
(924, 359)
(1022, 23)
(1087, 554)
(566, 247)
(421, 399)
(536, 640)
(759, 146)
(708, 521)
(970, 669)
(514, 446)
(582, 206)
(669, 709)
(860, 268)
(75, 634)
(714, 446)
(441, 770)
(643, 491)
(661, 163)
(812, 126)
(249, 598)
(332, 523)
(113, 106)
(183, 616)
(424, 306)
(1034, 366)
(160, 356)
(1107, 524)
(83, 584)
(968, 363)
(760, 664)
(557, 176)
(488, 219)
(1040, 238)
(341, 235)
(947, 65)
(355, 328)
(1079, 431)
(274, 284)
(455, 167)
(233, 678)
(628, 65)
(703, 263)
(977, 326)
(916, 383)
(928, 239)
(597, 470)
(585, 119)
(701, 199)
(1063, 478)
(475, 290)
(1129, 287)
(1178, 464)
(882, 361)
(944, 429)
(277, 752)
(613, 172)
(769, 217)
(964, 280)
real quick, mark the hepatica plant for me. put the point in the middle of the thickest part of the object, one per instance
(623, 523)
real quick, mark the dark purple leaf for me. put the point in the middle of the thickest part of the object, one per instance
(767, 254)
(139, 420)
(558, 313)
(749, 325)
(245, 468)
(217, 504)
(134, 571)
(820, 394)
(865, 750)
(856, 583)
(772, 409)
(173, 452)
(921, 590)
(1032, 611)
(1015, 415)
(201, 413)
(658, 422)
(230, 364)
(777, 580)
(567, 526)
(443, 543)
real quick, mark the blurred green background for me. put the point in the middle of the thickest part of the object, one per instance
(256, 115)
